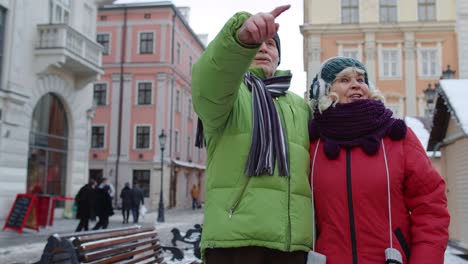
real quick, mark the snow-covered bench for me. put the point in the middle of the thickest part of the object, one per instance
(130, 244)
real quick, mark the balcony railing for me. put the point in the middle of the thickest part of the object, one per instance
(77, 51)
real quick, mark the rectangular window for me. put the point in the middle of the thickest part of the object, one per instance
(178, 53)
(429, 62)
(143, 137)
(388, 11)
(60, 11)
(349, 11)
(177, 101)
(189, 109)
(144, 93)
(2, 38)
(97, 137)
(104, 40)
(190, 64)
(146, 42)
(100, 94)
(351, 54)
(176, 141)
(426, 10)
(390, 63)
(189, 148)
(142, 178)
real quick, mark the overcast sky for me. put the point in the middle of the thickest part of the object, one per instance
(208, 16)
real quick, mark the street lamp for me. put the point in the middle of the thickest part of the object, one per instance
(162, 144)
(430, 94)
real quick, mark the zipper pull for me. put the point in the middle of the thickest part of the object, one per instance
(231, 212)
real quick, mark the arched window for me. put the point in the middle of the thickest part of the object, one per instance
(48, 145)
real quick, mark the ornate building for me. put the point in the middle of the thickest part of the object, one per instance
(146, 88)
(404, 44)
(48, 61)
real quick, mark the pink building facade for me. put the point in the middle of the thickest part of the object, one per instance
(146, 89)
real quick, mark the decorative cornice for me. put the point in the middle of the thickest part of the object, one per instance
(332, 29)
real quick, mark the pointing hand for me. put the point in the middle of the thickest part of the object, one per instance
(260, 27)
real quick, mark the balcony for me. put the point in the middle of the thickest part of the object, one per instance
(62, 46)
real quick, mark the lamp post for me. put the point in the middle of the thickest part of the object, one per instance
(430, 94)
(162, 144)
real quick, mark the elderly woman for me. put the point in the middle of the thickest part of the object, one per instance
(377, 197)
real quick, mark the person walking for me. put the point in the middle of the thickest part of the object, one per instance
(127, 197)
(195, 193)
(84, 201)
(378, 199)
(103, 206)
(258, 201)
(138, 199)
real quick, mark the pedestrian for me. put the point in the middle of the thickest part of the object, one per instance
(258, 201)
(84, 201)
(103, 207)
(378, 199)
(138, 199)
(195, 193)
(104, 181)
(127, 197)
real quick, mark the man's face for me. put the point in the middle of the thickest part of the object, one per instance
(267, 57)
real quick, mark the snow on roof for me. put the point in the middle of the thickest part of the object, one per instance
(456, 95)
(418, 128)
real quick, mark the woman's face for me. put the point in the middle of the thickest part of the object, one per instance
(350, 86)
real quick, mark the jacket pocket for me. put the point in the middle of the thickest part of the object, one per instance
(403, 243)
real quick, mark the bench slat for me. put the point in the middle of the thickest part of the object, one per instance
(115, 241)
(106, 252)
(95, 232)
(116, 258)
(92, 237)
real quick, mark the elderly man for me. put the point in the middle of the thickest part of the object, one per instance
(258, 205)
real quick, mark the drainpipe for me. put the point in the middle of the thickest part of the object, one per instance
(171, 119)
(119, 130)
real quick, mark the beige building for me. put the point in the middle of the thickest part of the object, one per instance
(404, 44)
(450, 136)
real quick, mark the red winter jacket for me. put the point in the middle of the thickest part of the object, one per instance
(351, 204)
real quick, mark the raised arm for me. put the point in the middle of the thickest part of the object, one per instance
(217, 75)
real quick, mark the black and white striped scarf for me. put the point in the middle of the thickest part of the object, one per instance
(268, 137)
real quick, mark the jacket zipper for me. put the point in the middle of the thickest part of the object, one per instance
(352, 227)
(238, 199)
(288, 228)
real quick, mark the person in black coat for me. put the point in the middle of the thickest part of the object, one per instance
(127, 197)
(103, 207)
(138, 198)
(84, 200)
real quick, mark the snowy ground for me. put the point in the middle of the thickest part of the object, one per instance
(27, 247)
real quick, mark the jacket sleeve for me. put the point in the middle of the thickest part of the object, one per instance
(424, 191)
(217, 75)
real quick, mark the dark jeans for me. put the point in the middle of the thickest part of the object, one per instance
(136, 214)
(125, 214)
(103, 222)
(194, 203)
(253, 255)
(83, 224)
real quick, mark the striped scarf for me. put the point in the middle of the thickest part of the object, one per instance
(268, 137)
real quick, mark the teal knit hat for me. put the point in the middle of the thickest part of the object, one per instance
(330, 68)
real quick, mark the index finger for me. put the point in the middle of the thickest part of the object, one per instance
(280, 9)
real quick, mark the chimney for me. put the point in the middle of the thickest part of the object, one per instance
(185, 11)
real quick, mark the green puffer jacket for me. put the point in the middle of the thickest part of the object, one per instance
(267, 211)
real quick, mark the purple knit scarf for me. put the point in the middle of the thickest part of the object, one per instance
(362, 123)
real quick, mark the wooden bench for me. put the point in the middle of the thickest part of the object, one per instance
(120, 245)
